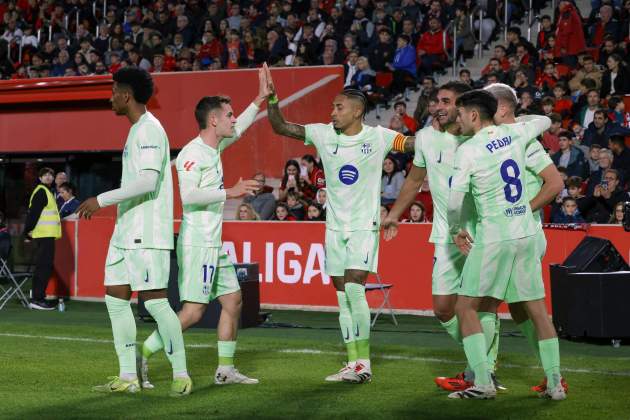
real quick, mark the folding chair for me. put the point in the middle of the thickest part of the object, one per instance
(385, 289)
(15, 281)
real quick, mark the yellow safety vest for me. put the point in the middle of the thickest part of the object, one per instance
(49, 223)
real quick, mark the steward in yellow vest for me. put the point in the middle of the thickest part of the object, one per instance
(42, 226)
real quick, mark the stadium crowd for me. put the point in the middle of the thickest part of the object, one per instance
(575, 71)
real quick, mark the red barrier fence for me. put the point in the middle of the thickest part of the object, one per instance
(65, 122)
(291, 258)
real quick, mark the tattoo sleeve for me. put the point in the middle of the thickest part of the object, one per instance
(280, 126)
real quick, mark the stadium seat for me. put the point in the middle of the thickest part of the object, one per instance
(385, 289)
(11, 283)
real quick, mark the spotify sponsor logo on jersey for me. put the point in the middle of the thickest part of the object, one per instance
(348, 174)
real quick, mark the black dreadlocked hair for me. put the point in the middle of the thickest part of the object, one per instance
(357, 95)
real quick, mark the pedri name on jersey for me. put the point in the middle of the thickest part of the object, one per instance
(496, 144)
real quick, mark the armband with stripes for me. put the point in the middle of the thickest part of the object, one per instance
(399, 143)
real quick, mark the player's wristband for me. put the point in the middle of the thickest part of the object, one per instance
(273, 99)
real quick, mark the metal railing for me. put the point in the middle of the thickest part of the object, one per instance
(453, 53)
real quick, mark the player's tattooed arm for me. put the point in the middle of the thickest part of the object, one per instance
(404, 144)
(410, 142)
(280, 126)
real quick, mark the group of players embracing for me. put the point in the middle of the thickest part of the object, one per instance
(489, 179)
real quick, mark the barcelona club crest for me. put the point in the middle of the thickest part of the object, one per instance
(366, 148)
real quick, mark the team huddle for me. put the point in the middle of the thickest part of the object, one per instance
(489, 179)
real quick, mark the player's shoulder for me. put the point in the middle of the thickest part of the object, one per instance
(193, 149)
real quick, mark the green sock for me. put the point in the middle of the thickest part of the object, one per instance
(493, 351)
(550, 358)
(360, 312)
(488, 322)
(345, 323)
(452, 328)
(124, 331)
(170, 331)
(226, 352)
(476, 353)
(529, 331)
(152, 344)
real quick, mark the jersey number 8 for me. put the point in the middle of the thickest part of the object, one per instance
(513, 188)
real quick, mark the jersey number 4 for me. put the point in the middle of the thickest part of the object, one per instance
(513, 188)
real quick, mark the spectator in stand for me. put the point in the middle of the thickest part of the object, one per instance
(312, 175)
(403, 66)
(465, 40)
(60, 178)
(607, 194)
(550, 139)
(263, 200)
(605, 162)
(315, 213)
(609, 48)
(365, 78)
(422, 105)
(593, 158)
(465, 77)
(396, 123)
(430, 49)
(600, 130)
(547, 104)
(546, 31)
(246, 212)
(70, 203)
(617, 112)
(605, 25)
(616, 79)
(291, 180)
(548, 79)
(574, 191)
(621, 160)
(522, 84)
(569, 33)
(515, 39)
(382, 53)
(586, 115)
(562, 103)
(320, 197)
(392, 181)
(296, 207)
(569, 156)
(416, 213)
(282, 213)
(569, 212)
(350, 67)
(616, 218)
(400, 109)
(588, 71)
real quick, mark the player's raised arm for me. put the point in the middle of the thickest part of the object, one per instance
(279, 125)
(248, 116)
(534, 125)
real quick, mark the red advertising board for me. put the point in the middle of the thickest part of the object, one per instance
(291, 260)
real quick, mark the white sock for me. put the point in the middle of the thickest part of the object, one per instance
(183, 374)
(128, 377)
(366, 363)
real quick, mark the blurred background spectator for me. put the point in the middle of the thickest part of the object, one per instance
(70, 203)
(417, 213)
(263, 201)
(246, 212)
(392, 180)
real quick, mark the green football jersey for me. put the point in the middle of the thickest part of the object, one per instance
(491, 165)
(353, 166)
(536, 160)
(146, 221)
(199, 165)
(435, 151)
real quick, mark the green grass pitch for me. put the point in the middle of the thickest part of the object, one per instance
(50, 360)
